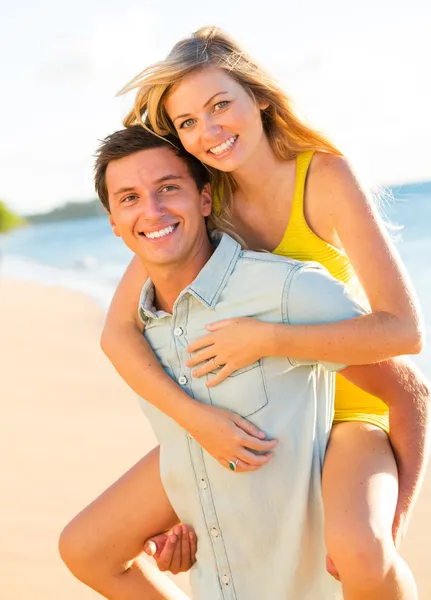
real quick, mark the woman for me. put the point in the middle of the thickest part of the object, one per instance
(281, 187)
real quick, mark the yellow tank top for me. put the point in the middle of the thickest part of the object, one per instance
(301, 243)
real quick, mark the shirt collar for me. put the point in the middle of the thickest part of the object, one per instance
(209, 283)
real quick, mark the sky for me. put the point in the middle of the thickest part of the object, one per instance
(359, 71)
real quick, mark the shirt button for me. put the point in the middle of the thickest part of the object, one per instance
(215, 532)
(182, 380)
(178, 331)
(203, 484)
(225, 579)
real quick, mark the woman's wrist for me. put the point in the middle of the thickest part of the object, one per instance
(272, 339)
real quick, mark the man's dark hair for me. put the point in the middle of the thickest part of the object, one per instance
(133, 139)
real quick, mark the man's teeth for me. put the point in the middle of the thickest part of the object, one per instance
(160, 233)
(225, 146)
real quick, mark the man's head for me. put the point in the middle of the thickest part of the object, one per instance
(157, 195)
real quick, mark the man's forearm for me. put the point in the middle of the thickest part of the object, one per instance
(397, 383)
(410, 436)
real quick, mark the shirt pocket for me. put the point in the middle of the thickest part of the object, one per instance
(243, 392)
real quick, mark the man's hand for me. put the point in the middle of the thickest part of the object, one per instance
(174, 551)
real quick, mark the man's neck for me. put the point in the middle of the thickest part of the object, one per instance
(171, 280)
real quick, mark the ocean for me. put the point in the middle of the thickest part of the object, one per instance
(84, 255)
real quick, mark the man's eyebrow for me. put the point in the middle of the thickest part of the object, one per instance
(123, 190)
(168, 178)
(205, 105)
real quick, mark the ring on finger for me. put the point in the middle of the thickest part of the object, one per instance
(233, 464)
(215, 363)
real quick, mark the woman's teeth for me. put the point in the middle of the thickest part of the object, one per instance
(225, 146)
(160, 233)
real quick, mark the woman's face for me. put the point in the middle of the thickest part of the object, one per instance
(216, 119)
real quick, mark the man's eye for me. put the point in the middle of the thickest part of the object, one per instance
(169, 188)
(128, 199)
(220, 105)
(187, 124)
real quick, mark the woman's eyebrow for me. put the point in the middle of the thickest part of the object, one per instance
(205, 105)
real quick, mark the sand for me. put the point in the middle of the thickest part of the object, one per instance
(69, 428)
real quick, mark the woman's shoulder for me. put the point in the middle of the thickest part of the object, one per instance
(327, 169)
(333, 183)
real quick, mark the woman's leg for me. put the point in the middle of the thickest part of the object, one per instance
(101, 544)
(360, 489)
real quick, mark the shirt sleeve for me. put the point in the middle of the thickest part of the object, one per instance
(312, 296)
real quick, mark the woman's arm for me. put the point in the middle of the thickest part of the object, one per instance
(224, 434)
(341, 214)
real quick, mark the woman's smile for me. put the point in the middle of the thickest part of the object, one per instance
(224, 148)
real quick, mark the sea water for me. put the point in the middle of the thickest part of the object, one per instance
(84, 254)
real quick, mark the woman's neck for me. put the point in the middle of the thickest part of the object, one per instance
(260, 178)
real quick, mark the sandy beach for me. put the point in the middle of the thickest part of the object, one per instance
(69, 428)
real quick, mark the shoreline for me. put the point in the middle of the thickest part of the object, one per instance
(71, 428)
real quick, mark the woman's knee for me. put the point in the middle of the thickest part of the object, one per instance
(71, 547)
(361, 554)
(83, 557)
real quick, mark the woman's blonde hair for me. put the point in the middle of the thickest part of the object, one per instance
(210, 46)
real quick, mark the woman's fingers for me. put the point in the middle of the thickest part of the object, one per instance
(248, 428)
(249, 464)
(247, 441)
(220, 376)
(201, 356)
(253, 460)
(200, 343)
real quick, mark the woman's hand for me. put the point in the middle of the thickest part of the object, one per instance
(174, 551)
(229, 438)
(231, 345)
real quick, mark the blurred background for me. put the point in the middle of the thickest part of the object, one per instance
(357, 71)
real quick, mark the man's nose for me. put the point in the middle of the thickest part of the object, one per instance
(153, 206)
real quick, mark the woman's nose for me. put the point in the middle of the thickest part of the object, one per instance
(211, 129)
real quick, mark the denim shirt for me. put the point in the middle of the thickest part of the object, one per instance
(260, 534)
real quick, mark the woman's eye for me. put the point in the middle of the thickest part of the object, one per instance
(221, 105)
(187, 124)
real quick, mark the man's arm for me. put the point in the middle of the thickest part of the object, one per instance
(407, 395)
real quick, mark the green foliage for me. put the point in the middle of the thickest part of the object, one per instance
(71, 210)
(8, 219)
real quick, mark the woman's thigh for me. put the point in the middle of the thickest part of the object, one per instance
(116, 525)
(360, 489)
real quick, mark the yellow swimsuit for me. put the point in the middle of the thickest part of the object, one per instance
(301, 243)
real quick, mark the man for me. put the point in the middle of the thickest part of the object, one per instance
(260, 533)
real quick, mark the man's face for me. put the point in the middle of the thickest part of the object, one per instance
(156, 207)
